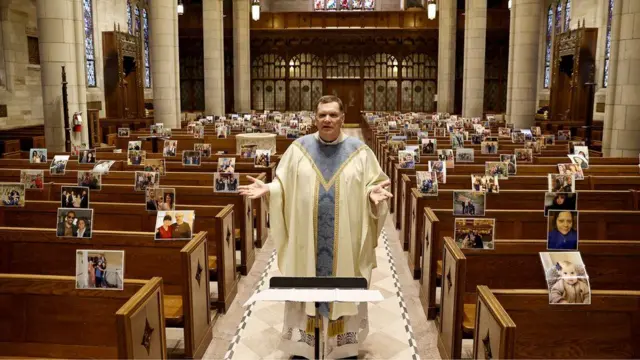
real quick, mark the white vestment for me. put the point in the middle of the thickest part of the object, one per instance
(324, 224)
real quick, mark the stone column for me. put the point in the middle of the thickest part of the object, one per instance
(176, 53)
(212, 28)
(512, 22)
(78, 12)
(162, 44)
(446, 55)
(58, 47)
(241, 56)
(475, 30)
(525, 62)
(622, 108)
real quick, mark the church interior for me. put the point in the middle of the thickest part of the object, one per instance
(509, 131)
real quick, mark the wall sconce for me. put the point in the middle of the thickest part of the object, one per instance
(255, 10)
(431, 9)
(180, 7)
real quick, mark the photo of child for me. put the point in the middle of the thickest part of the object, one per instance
(571, 169)
(226, 165)
(562, 227)
(32, 179)
(12, 195)
(100, 269)
(567, 278)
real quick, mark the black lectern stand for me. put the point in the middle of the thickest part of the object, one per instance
(325, 283)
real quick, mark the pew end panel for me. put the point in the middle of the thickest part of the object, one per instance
(142, 317)
(495, 332)
(225, 260)
(196, 296)
(429, 265)
(451, 309)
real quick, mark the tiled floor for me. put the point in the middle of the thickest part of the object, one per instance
(253, 333)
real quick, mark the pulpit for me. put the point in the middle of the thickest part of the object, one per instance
(123, 75)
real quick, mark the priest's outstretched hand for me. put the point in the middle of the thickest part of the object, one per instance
(379, 193)
(255, 190)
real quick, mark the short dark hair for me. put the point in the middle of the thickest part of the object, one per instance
(327, 99)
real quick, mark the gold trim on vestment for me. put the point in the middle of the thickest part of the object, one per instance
(336, 327)
(327, 184)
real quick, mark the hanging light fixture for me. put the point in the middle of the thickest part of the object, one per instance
(180, 7)
(509, 4)
(431, 9)
(255, 10)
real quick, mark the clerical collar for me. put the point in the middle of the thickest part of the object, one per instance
(337, 141)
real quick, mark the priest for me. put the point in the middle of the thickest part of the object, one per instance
(327, 206)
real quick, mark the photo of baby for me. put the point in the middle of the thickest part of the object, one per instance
(12, 195)
(562, 228)
(38, 156)
(160, 199)
(146, 179)
(467, 203)
(474, 233)
(76, 223)
(74, 197)
(567, 278)
(58, 165)
(226, 182)
(427, 182)
(100, 269)
(174, 225)
(90, 179)
(262, 159)
(32, 179)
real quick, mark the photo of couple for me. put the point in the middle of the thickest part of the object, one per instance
(76, 197)
(160, 199)
(174, 225)
(87, 156)
(38, 156)
(74, 223)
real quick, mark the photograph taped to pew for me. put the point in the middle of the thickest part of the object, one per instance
(226, 165)
(205, 149)
(262, 159)
(534, 146)
(191, 158)
(226, 182)
(512, 164)
(248, 151)
(415, 150)
(90, 179)
(567, 278)
(12, 194)
(221, 131)
(74, 197)
(477, 139)
(549, 140)
(406, 159)
(524, 156)
(160, 199)
(561, 183)
(440, 132)
(572, 146)
(489, 147)
(198, 131)
(560, 201)
(146, 179)
(485, 183)
(38, 156)
(440, 169)
(136, 157)
(504, 132)
(87, 156)
(155, 165)
(427, 182)
(174, 225)
(469, 203)
(75, 223)
(59, 165)
(571, 169)
(496, 168)
(517, 137)
(124, 132)
(428, 146)
(134, 145)
(169, 148)
(536, 131)
(103, 166)
(457, 140)
(32, 179)
(448, 157)
(580, 161)
(293, 133)
(100, 269)
(564, 134)
(474, 233)
(465, 155)
(396, 145)
(562, 230)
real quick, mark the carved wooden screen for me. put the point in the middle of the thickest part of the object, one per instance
(305, 81)
(495, 81)
(268, 88)
(191, 74)
(381, 85)
(419, 76)
(343, 66)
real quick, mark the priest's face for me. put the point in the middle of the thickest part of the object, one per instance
(329, 120)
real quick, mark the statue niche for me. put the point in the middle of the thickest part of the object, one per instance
(123, 75)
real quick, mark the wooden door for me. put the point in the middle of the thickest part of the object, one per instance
(350, 92)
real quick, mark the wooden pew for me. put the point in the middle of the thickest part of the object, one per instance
(216, 220)
(516, 324)
(47, 317)
(510, 224)
(515, 264)
(181, 264)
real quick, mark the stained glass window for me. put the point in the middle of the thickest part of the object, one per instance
(567, 15)
(343, 66)
(607, 46)
(147, 62)
(559, 17)
(267, 94)
(89, 46)
(344, 5)
(547, 54)
(419, 72)
(136, 12)
(129, 22)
